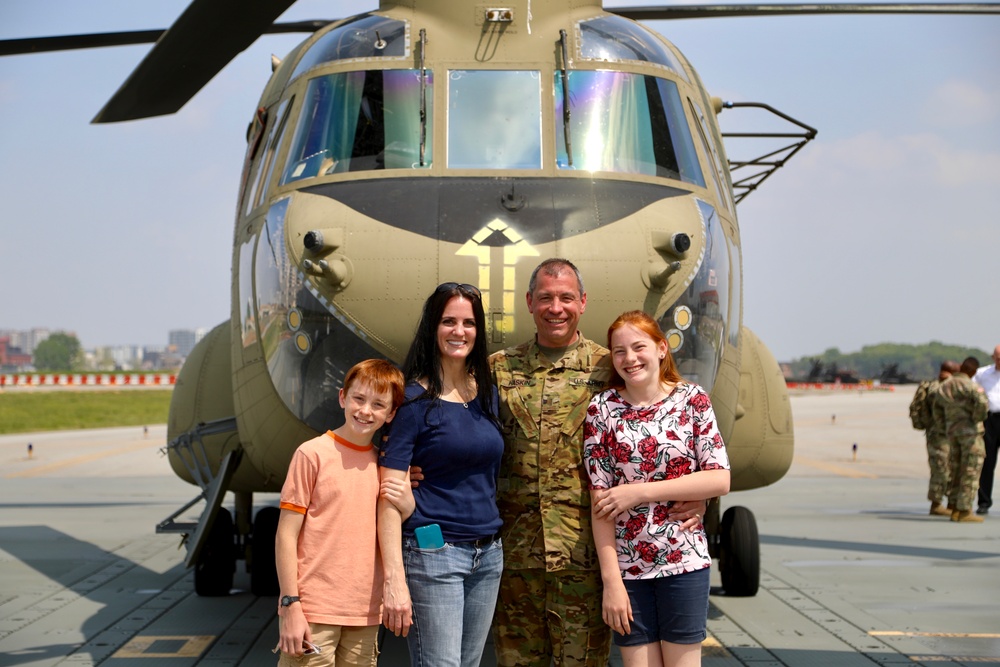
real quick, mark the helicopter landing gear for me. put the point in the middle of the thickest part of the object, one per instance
(739, 552)
(216, 563)
(263, 572)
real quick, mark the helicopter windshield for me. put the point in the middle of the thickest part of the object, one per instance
(494, 120)
(365, 36)
(359, 121)
(616, 39)
(626, 123)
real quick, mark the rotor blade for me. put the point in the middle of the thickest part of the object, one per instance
(667, 12)
(208, 35)
(31, 45)
(14, 47)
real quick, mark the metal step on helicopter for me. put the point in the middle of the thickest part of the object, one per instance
(424, 141)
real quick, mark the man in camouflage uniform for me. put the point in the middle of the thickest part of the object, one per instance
(550, 594)
(964, 406)
(549, 607)
(926, 410)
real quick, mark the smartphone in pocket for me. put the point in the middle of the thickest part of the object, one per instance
(429, 536)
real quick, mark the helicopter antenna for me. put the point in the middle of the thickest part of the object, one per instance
(566, 110)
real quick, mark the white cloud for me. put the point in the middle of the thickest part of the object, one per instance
(926, 158)
(953, 165)
(961, 104)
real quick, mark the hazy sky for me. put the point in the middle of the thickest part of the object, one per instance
(885, 228)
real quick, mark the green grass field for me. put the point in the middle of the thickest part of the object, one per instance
(26, 412)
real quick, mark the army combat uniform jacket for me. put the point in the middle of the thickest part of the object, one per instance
(964, 406)
(935, 411)
(543, 491)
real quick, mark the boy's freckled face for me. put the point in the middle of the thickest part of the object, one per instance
(365, 410)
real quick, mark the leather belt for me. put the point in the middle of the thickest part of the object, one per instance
(485, 541)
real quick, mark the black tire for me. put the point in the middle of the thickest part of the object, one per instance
(263, 571)
(213, 573)
(739, 553)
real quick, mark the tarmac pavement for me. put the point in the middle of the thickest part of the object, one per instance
(853, 569)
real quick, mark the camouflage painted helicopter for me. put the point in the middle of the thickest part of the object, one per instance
(420, 143)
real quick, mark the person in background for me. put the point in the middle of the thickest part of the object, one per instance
(988, 377)
(549, 608)
(443, 565)
(965, 408)
(924, 416)
(651, 439)
(326, 549)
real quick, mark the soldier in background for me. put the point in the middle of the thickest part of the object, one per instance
(964, 406)
(549, 608)
(927, 415)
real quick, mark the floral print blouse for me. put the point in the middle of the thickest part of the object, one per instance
(626, 444)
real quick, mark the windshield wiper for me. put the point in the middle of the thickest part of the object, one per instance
(565, 87)
(423, 95)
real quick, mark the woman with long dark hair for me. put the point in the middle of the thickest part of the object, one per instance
(443, 564)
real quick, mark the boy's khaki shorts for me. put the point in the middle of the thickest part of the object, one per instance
(339, 645)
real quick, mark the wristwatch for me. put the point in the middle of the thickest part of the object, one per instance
(287, 600)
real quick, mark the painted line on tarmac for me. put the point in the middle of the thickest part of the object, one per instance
(844, 471)
(77, 460)
(962, 659)
(897, 633)
(168, 646)
(713, 648)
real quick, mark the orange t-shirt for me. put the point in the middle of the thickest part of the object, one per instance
(335, 485)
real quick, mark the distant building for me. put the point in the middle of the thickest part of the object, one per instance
(119, 357)
(182, 341)
(12, 358)
(153, 357)
(18, 346)
(25, 341)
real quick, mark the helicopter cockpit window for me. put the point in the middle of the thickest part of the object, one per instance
(627, 123)
(365, 36)
(616, 39)
(494, 120)
(360, 121)
(718, 176)
(698, 325)
(265, 163)
(307, 343)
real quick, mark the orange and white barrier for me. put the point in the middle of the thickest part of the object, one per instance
(88, 379)
(840, 386)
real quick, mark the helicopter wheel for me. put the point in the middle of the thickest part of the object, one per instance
(739, 553)
(263, 571)
(213, 573)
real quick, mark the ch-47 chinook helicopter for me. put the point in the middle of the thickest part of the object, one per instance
(434, 141)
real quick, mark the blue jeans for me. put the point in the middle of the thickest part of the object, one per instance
(454, 595)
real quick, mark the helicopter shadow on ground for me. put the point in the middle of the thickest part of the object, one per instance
(931, 553)
(78, 572)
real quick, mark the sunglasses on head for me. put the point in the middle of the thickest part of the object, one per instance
(464, 288)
